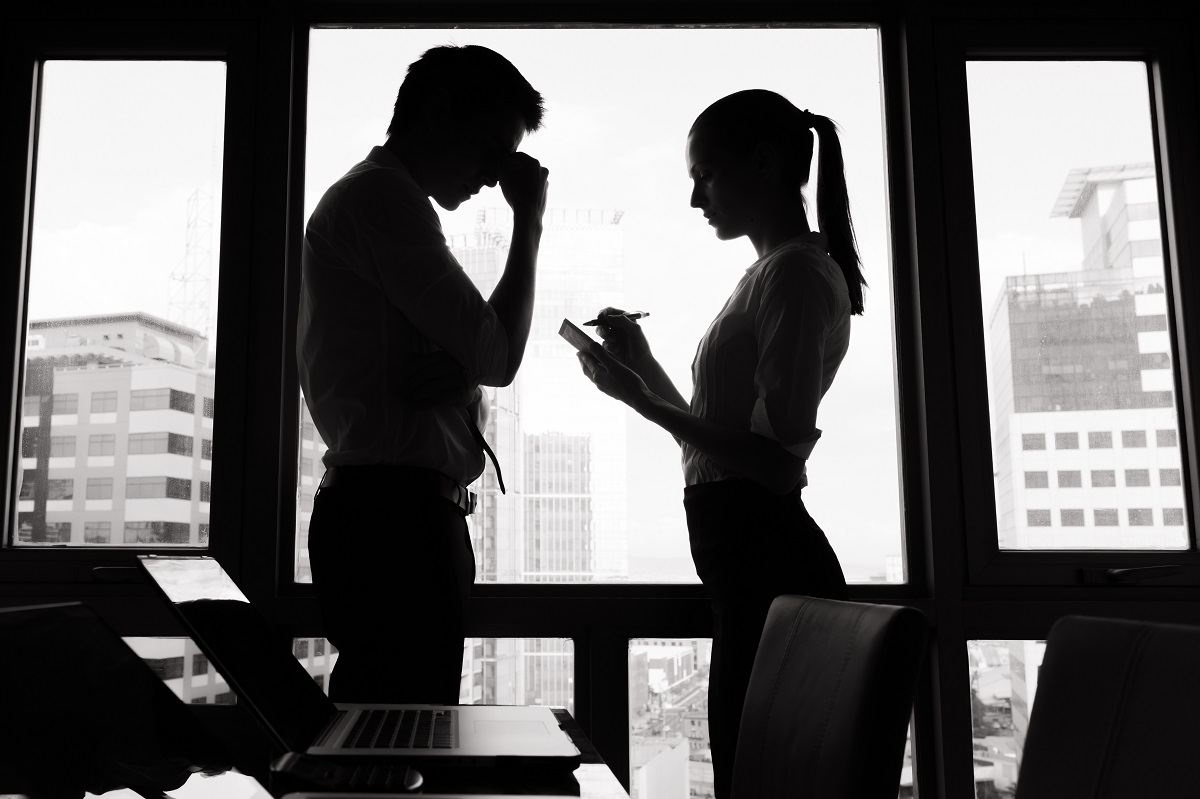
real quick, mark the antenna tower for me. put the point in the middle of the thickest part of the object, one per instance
(189, 294)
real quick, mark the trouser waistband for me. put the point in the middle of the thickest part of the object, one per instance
(411, 477)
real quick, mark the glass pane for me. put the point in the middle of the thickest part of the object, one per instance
(1079, 354)
(120, 338)
(519, 671)
(1004, 679)
(184, 669)
(595, 493)
(668, 718)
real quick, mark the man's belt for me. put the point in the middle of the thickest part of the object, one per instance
(404, 478)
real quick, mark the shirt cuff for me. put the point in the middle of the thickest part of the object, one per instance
(761, 424)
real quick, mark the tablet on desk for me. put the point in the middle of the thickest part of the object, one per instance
(577, 338)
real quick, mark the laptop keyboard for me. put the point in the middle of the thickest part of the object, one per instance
(402, 729)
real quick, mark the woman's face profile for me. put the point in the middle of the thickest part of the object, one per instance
(723, 186)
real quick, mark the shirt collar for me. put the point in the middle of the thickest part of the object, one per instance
(384, 157)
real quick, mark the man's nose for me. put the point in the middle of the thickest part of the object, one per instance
(698, 200)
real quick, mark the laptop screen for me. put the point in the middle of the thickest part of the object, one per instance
(257, 663)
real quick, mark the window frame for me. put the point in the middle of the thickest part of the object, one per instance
(1170, 87)
(965, 591)
(28, 43)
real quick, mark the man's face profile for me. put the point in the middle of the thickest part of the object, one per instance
(470, 153)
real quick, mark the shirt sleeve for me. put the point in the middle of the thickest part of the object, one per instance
(794, 314)
(400, 249)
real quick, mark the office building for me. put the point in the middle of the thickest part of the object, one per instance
(1085, 437)
(117, 428)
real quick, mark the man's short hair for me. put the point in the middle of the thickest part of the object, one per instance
(478, 80)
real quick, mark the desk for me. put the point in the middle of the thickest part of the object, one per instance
(595, 780)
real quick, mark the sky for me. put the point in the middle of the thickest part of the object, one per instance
(123, 146)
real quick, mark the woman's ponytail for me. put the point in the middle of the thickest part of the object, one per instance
(833, 206)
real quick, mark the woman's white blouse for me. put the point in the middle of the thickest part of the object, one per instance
(772, 352)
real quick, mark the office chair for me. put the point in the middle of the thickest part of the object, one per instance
(1115, 713)
(829, 701)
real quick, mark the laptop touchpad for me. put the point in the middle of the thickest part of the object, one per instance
(506, 728)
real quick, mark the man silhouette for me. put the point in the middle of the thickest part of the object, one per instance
(394, 342)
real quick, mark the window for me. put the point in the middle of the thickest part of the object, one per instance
(306, 465)
(1069, 479)
(1071, 517)
(158, 487)
(199, 665)
(97, 532)
(1137, 477)
(1033, 441)
(1037, 480)
(1141, 517)
(628, 524)
(1166, 438)
(205, 491)
(112, 214)
(30, 439)
(99, 488)
(1104, 478)
(102, 444)
(104, 402)
(1075, 318)
(206, 449)
(157, 443)
(65, 404)
(301, 648)
(209, 407)
(147, 443)
(1169, 477)
(152, 399)
(1172, 517)
(1105, 517)
(29, 479)
(156, 532)
(1133, 438)
(62, 446)
(60, 489)
(31, 406)
(1038, 518)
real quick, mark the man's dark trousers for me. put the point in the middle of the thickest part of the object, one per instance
(392, 567)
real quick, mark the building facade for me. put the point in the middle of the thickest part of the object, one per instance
(117, 433)
(1085, 442)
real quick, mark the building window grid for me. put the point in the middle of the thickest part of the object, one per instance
(102, 444)
(104, 402)
(99, 488)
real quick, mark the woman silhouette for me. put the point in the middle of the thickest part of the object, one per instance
(758, 377)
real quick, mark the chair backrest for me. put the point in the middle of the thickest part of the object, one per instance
(1115, 712)
(829, 701)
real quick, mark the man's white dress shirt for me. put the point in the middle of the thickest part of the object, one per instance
(379, 286)
(772, 352)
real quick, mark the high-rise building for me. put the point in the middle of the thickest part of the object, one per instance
(117, 428)
(1085, 437)
(562, 516)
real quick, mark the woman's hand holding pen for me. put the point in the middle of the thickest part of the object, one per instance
(623, 338)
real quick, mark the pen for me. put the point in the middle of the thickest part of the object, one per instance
(635, 315)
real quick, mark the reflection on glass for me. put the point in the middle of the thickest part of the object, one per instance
(120, 346)
(1080, 358)
(668, 718)
(595, 493)
(518, 671)
(1004, 678)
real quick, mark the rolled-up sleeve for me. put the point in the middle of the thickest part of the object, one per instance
(403, 252)
(796, 308)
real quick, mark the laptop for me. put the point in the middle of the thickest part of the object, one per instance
(301, 718)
